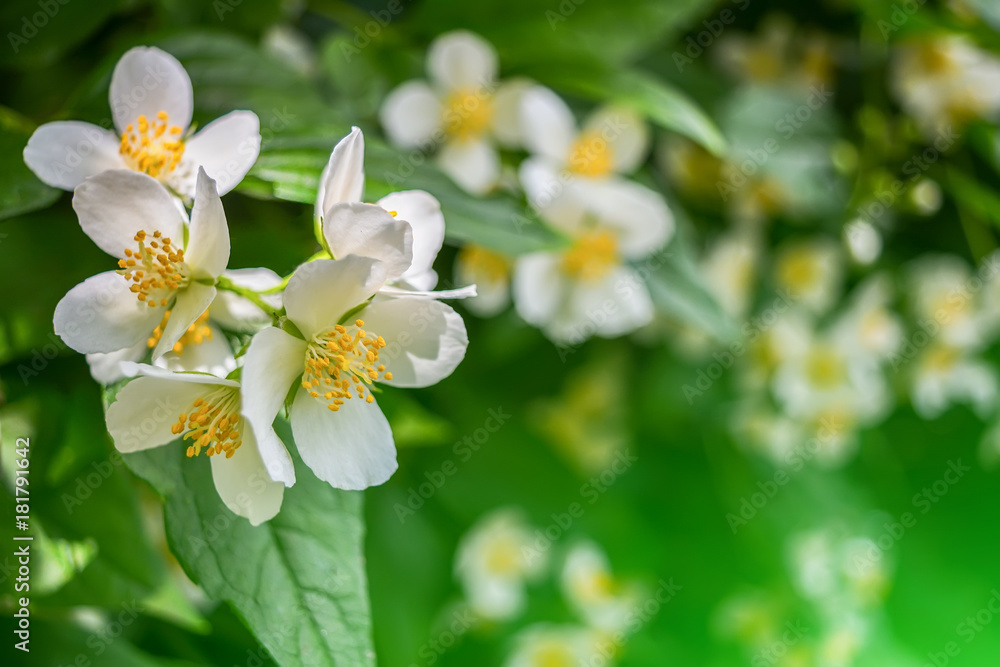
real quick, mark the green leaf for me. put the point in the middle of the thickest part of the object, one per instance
(659, 101)
(38, 33)
(20, 189)
(298, 580)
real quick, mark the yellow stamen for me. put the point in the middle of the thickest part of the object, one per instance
(345, 360)
(157, 272)
(152, 148)
(592, 257)
(590, 155)
(212, 423)
(467, 113)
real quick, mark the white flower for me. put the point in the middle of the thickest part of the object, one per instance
(545, 645)
(591, 589)
(493, 562)
(163, 264)
(863, 241)
(490, 273)
(946, 301)
(574, 173)
(946, 374)
(811, 272)
(464, 107)
(867, 325)
(730, 267)
(151, 102)
(349, 342)
(946, 80)
(160, 407)
(589, 288)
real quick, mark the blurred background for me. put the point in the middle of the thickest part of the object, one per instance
(793, 464)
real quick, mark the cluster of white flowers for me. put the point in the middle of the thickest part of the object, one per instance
(574, 178)
(359, 314)
(502, 554)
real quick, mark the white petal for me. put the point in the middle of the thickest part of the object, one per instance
(411, 114)
(320, 292)
(106, 367)
(538, 287)
(461, 59)
(207, 251)
(369, 231)
(507, 112)
(613, 306)
(343, 178)
(351, 448)
(243, 482)
(551, 193)
(213, 355)
(473, 164)
(65, 153)
(101, 314)
(547, 124)
(191, 302)
(226, 148)
(237, 313)
(146, 81)
(148, 370)
(423, 212)
(114, 205)
(273, 362)
(626, 134)
(425, 339)
(640, 215)
(466, 292)
(491, 298)
(147, 408)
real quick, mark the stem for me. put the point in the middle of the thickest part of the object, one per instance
(254, 297)
(280, 287)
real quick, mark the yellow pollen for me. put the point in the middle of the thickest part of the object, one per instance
(479, 261)
(825, 367)
(155, 272)
(153, 148)
(592, 256)
(196, 334)
(590, 155)
(799, 269)
(467, 113)
(345, 361)
(211, 423)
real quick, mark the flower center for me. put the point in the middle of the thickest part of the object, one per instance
(504, 558)
(941, 358)
(196, 334)
(492, 267)
(153, 148)
(212, 423)
(592, 256)
(156, 270)
(342, 359)
(554, 655)
(590, 155)
(467, 113)
(825, 368)
(798, 270)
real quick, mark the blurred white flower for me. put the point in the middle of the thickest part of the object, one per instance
(592, 590)
(464, 108)
(490, 273)
(811, 271)
(863, 241)
(211, 416)
(945, 298)
(730, 268)
(946, 80)
(943, 375)
(164, 265)
(867, 325)
(493, 562)
(926, 196)
(151, 102)
(553, 646)
(349, 342)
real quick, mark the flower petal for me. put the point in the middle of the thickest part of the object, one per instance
(273, 362)
(349, 449)
(212, 355)
(237, 313)
(639, 214)
(106, 367)
(626, 133)
(547, 124)
(461, 59)
(191, 302)
(207, 251)
(244, 484)
(473, 164)
(507, 111)
(226, 148)
(65, 153)
(146, 81)
(538, 287)
(146, 409)
(147, 370)
(616, 305)
(551, 193)
(320, 292)
(114, 205)
(343, 178)
(423, 212)
(101, 314)
(368, 230)
(411, 114)
(425, 339)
